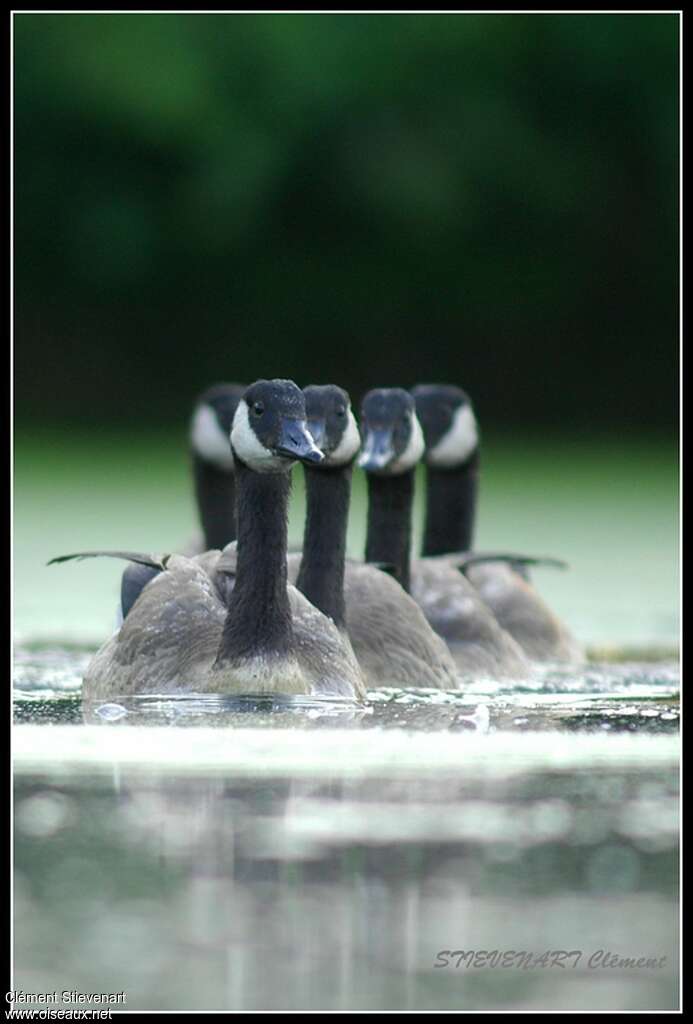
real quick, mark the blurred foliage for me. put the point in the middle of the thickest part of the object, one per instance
(368, 199)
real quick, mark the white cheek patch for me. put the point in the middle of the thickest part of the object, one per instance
(414, 450)
(348, 446)
(247, 445)
(457, 443)
(208, 439)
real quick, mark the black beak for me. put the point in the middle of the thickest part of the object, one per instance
(316, 429)
(296, 443)
(377, 451)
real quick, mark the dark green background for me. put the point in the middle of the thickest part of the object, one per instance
(367, 199)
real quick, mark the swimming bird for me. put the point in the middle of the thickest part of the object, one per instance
(452, 461)
(392, 446)
(392, 640)
(188, 632)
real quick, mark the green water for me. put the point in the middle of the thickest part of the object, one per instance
(213, 854)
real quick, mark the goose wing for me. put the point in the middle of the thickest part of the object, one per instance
(168, 641)
(455, 610)
(523, 613)
(391, 639)
(323, 652)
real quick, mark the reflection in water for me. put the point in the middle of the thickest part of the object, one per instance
(339, 891)
(208, 853)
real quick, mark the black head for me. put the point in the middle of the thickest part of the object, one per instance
(448, 422)
(211, 424)
(331, 423)
(269, 429)
(392, 441)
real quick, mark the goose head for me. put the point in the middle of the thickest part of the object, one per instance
(211, 424)
(269, 431)
(391, 435)
(332, 424)
(449, 424)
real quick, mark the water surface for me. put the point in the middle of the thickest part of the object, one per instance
(207, 853)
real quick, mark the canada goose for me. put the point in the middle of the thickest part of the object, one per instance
(391, 638)
(452, 471)
(393, 444)
(214, 485)
(185, 633)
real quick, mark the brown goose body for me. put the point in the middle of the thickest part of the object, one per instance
(170, 639)
(393, 643)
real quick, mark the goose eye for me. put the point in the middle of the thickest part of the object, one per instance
(258, 408)
(341, 412)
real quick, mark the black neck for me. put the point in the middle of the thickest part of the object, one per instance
(259, 616)
(321, 576)
(451, 508)
(215, 493)
(388, 539)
